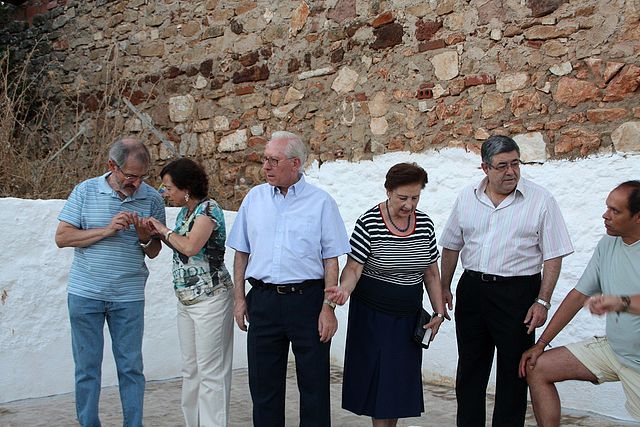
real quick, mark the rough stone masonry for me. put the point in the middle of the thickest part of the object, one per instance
(355, 78)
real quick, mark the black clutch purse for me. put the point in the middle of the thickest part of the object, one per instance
(420, 332)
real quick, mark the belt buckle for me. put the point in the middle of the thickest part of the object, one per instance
(282, 289)
(488, 278)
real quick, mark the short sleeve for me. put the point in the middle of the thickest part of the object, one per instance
(589, 283)
(157, 209)
(334, 239)
(554, 236)
(360, 243)
(238, 238)
(451, 237)
(72, 211)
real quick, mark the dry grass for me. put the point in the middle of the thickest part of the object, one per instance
(48, 142)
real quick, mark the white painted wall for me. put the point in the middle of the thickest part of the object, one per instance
(35, 355)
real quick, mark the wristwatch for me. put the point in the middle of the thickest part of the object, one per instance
(626, 302)
(436, 314)
(544, 303)
(329, 303)
(145, 245)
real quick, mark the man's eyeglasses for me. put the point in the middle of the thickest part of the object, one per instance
(129, 177)
(273, 161)
(503, 166)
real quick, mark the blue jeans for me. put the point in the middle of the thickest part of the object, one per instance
(126, 325)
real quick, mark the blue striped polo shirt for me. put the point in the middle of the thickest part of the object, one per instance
(112, 269)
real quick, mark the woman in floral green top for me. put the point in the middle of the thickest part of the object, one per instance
(202, 285)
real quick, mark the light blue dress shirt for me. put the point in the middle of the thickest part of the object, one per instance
(288, 237)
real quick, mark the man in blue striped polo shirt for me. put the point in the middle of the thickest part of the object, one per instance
(105, 221)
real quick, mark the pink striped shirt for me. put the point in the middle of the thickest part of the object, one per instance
(512, 239)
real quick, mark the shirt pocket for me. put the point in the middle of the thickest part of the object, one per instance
(304, 236)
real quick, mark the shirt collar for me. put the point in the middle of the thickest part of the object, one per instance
(482, 185)
(105, 188)
(294, 189)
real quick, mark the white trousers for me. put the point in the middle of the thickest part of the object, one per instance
(205, 330)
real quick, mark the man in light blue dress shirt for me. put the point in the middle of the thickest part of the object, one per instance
(288, 236)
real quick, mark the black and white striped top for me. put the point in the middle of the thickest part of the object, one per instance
(400, 260)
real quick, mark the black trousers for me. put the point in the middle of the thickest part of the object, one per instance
(490, 316)
(275, 321)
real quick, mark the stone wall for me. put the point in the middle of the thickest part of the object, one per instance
(355, 78)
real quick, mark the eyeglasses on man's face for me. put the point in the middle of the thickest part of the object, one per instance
(130, 177)
(274, 161)
(503, 166)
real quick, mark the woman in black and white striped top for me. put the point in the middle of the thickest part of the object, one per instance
(393, 254)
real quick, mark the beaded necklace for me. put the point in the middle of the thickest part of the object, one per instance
(402, 230)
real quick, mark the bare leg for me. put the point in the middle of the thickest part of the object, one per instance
(384, 423)
(553, 366)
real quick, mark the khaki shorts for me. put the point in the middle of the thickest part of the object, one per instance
(598, 357)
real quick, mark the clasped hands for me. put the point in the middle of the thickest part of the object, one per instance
(144, 226)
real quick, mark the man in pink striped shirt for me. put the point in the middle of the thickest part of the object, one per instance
(506, 230)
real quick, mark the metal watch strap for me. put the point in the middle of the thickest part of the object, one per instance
(145, 245)
(329, 303)
(544, 303)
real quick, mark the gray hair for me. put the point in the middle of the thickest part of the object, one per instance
(295, 148)
(497, 144)
(124, 148)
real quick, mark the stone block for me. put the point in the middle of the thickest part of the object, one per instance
(543, 7)
(387, 36)
(213, 32)
(154, 48)
(445, 65)
(292, 95)
(572, 91)
(577, 139)
(382, 19)
(190, 28)
(257, 130)
(508, 82)
(492, 103)
(343, 10)
(533, 147)
(626, 138)
(479, 79)
(605, 115)
(425, 29)
(283, 111)
(249, 59)
(207, 142)
(546, 32)
(345, 81)
(251, 74)
(561, 69)
(378, 105)
(200, 126)
(431, 45)
(299, 18)
(181, 108)
(379, 125)
(220, 123)
(235, 141)
(625, 83)
(523, 102)
(189, 144)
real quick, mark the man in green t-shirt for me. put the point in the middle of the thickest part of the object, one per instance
(609, 285)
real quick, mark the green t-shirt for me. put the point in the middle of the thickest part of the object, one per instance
(614, 269)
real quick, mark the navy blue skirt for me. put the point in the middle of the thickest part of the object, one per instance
(382, 364)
